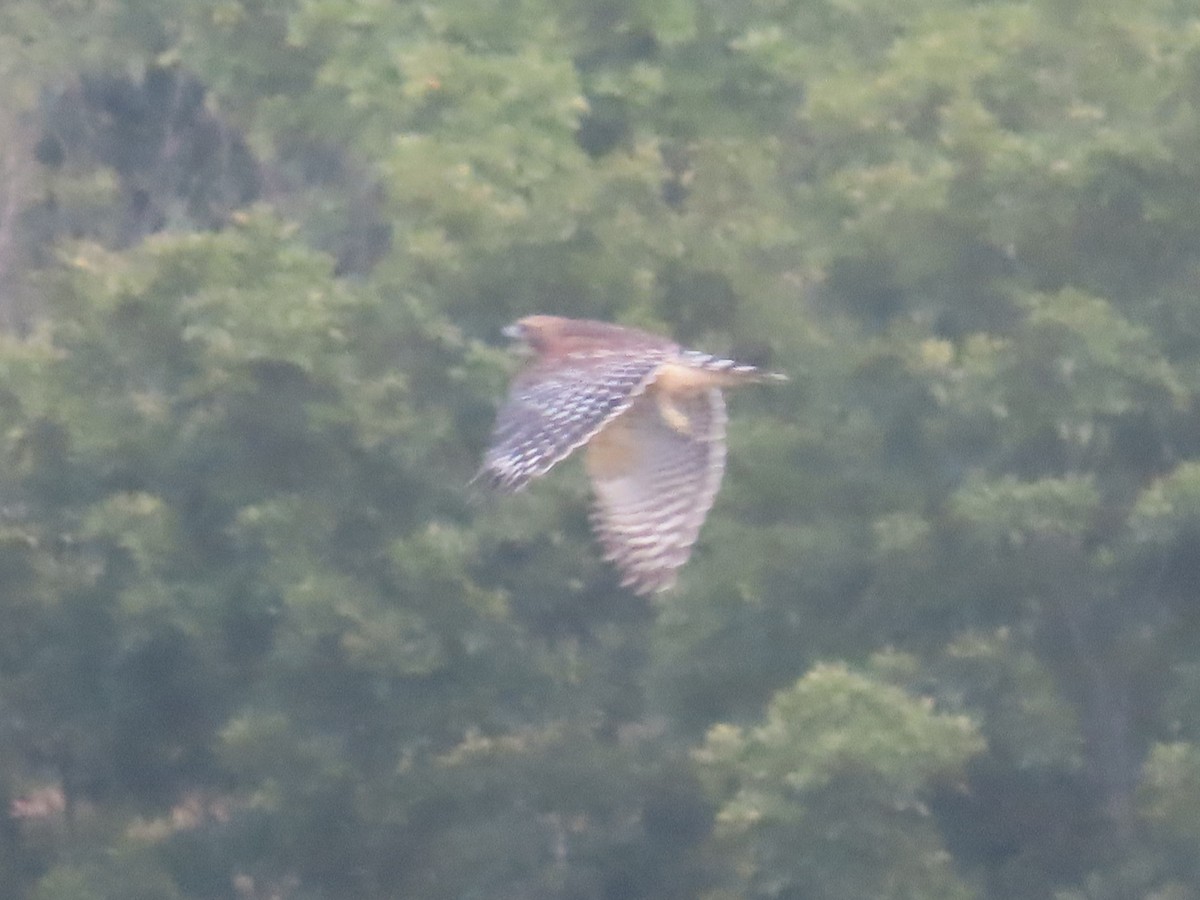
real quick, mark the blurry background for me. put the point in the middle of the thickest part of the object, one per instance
(259, 640)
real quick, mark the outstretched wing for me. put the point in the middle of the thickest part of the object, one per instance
(557, 404)
(655, 471)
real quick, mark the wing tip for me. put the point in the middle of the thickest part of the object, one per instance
(647, 568)
(503, 481)
(648, 584)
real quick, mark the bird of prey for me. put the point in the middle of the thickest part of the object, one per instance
(652, 417)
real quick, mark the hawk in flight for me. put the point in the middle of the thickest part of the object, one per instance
(653, 419)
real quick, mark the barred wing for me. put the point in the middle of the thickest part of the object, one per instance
(558, 404)
(655, 472)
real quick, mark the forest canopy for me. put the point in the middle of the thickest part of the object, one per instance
(261, 638)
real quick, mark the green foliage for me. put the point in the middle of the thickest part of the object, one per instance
(1169, 792)
(260, 637)
(1011, 512)
(826, 797)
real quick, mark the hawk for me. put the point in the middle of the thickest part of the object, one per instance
(652, 417)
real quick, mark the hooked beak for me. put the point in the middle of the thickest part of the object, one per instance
(512, 332)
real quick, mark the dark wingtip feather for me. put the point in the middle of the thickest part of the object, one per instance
(492, 479)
